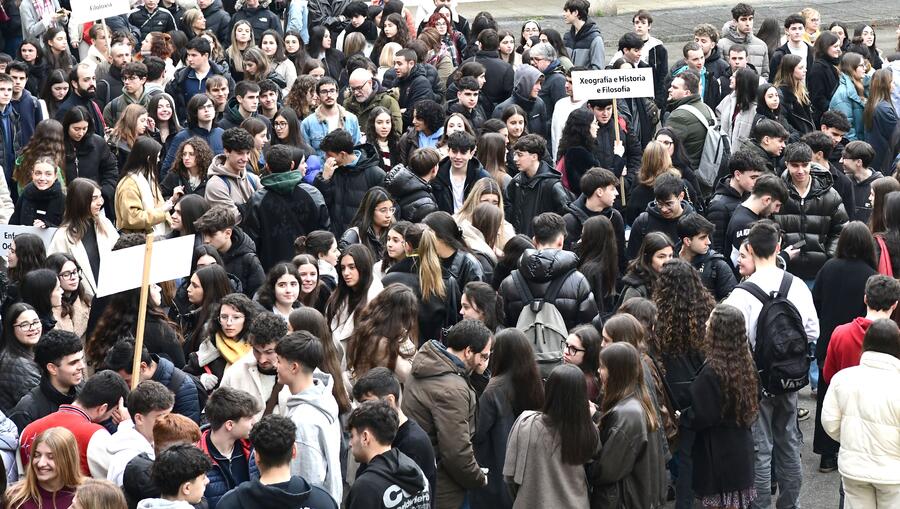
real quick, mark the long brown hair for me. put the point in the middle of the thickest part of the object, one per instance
(202, 153)
(125, 129)
(654, 162)
(312, 321)
(64, 448)
(47, 141)
(684, 305)
(879, 91)
(625, 377)
(77, 216)
(396, 301)
(311, 298)
(785, 78)
(881, 187)
(100, 494)
(728, 355)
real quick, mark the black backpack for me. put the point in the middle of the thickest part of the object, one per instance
(782, 353)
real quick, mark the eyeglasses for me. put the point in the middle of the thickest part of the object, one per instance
(386, 210)
(70, 274)
(279, 124)
(571, 350)
(666, 204)
(35, 324)
(359, 88)
(230, 318)
(330, 91)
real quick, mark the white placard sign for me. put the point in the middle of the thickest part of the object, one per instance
(91, 10)
(612, 84)
(9, 232)
(122, 270)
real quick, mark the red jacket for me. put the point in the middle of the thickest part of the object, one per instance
(845, 347)
(70, 417)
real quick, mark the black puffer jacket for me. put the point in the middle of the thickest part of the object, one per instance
(241, 261)
(818, 218)
(529, 197)
(18, 375)
(443, 189)
(435, 314)
(41, 401)
(653, 221)
(539, 268)
(345, 189)
(260, 18)
(498, 85)
(218, 20)
(372, 241)
(798, 115)
(719, 211)
(282, 210)
(578, 213)
(605, 154)
(822, 81)
(413, 88)
(715, 273)
(47, 205)
(413, 195)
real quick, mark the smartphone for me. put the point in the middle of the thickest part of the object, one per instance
(797, 245)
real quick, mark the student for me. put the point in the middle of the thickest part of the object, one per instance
(744, 168)
(41, 203)
(371, 222)
(356, 287)
(856, 159)
(643, 270)
(231, 414)
(653, 53)
(255, 371)
(740, 31)
(230, 183)
(457, 173)
(146, 402)
(409, 185)
(60, 356)
(313, 410)
(410, 439)
(823, 146)
(201, 124)
(693, 234)
(813, 213)
(663, 214)
(218, 226)
(348, 173)
(627, 426)
(377, 342)
(283, 209)
(101, 397)
(51, 476)
(139, 202)
(168, 430)
(794, 45)
(191, 79)
(769, 192)
(180, 473)
(724, 398)
(328, 117)
(536, 188)
(274, 448)
(780, 444)
(856, 408)
(583, 40)
(158, 369)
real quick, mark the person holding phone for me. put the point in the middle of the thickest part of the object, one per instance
(38, 16)
(139, 204)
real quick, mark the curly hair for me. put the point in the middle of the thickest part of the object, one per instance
(296, 98)
(728, 355)
(576, 131)
(161, 45)
(684, 305)
(202, 153)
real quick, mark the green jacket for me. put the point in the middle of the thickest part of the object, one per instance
(380, 97)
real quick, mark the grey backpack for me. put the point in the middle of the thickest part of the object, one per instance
(542, 322)
(716, 148)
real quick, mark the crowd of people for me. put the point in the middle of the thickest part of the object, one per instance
(425, 275)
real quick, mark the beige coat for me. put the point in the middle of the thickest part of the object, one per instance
(244, 375)
(131, 215)
(61, 243)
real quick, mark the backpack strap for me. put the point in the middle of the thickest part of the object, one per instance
(522, 286)
(227, 183)
(694, 111)
(556, 286)
(785, 285)
(754, 290)
(177, 380)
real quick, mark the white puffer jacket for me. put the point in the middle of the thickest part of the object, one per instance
(862, 412)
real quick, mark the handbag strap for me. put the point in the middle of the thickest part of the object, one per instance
(884, 261)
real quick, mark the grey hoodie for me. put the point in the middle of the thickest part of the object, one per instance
(315, 412)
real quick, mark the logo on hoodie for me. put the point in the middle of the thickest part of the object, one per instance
(395, 497)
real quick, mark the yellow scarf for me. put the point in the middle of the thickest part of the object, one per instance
(231, 349)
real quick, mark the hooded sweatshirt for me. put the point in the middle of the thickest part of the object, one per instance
(315, 412)
(652, 220)
(525, 78)
(226, 188)
(845, 347)
(290, 494)
(161, 503)
(124, 445)
(390, 480)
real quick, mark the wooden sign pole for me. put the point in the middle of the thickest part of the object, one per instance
(142, 315)
(618, 140)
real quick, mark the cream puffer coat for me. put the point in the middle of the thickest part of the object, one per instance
(864, 417)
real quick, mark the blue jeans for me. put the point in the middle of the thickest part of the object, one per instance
(777, 440)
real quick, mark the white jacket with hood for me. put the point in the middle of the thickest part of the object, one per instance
(865, 418)
(123, 446)
(315, 412)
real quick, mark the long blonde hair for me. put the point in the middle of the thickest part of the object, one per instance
(655, 161)
(233, 52)
(431, 278)
(68, 466)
